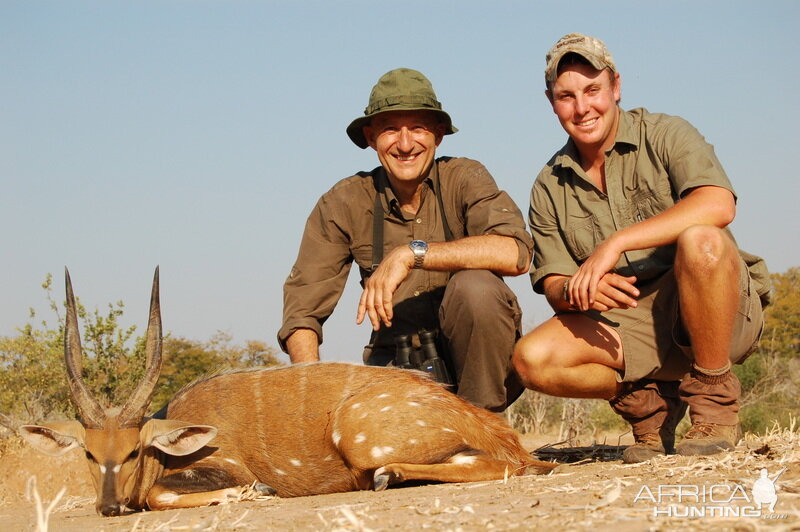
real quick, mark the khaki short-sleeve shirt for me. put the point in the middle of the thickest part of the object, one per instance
(339, 232)
(655, 160)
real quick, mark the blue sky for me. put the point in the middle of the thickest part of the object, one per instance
(198, 135)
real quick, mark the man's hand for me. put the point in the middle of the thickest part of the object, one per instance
(376, 299)
(613, 291)
(584, 286)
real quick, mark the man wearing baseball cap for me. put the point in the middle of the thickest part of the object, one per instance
(653, 300)
(432, 238)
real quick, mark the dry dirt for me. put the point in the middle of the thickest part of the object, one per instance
(599, 494)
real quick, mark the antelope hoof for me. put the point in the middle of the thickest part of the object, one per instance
(382, 478)
(264, 489)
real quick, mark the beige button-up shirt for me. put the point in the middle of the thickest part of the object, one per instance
(339, 231)
(655, 160)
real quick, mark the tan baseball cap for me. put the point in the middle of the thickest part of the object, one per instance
(592, 49)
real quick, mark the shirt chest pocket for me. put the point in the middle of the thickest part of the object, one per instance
(651, 194)
(648, 204)
(581, 236)
(584, 234)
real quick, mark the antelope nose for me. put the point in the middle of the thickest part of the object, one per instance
(107, 510)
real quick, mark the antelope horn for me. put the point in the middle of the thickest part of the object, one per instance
(90, 412)
(135, 407)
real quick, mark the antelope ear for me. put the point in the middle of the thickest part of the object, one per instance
(176, 438)
(54, 438)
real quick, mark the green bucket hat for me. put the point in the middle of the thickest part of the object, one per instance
(401, 89)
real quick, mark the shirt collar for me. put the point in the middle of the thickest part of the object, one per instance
(626, 132)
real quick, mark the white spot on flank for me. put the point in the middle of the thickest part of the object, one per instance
(445, 429)
(167, 497)
(336, 437)
(412, 441)
(279, 471)
(462, 459)
(386, 408)
(328, 458)
(362, 416)
(231, 461)
(421, 423)
(378, 452)
(357, 405)
(413, 403)
(295, 462)
(381, 396)
(360, 437)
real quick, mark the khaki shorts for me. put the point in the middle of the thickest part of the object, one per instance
(655, 343)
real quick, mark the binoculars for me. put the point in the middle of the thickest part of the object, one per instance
(424, 358)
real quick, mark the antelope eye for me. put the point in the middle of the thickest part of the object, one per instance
(134, 454)
(90, 457)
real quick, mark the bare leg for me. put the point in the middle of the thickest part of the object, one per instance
(707, 272)
(570, 355)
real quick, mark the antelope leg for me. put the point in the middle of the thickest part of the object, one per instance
(462, 467)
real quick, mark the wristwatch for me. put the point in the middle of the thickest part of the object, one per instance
(419, 248)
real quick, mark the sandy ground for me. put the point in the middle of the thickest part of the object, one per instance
(601, 493)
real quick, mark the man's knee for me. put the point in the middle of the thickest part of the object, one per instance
(479, 296)
(702, 249)
(475, 286)
(531, 362)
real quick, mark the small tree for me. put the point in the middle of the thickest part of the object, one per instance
(32, 376)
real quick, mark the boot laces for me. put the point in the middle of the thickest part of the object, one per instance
(648, 439)
(700, 430)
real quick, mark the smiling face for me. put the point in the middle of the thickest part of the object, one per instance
(406, 143)
(585, 101)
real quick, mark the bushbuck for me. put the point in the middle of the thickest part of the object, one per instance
(291, 431)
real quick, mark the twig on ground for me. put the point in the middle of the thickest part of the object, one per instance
(42, 514)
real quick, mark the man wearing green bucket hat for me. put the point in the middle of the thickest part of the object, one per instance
(653, 300)
(432, 238)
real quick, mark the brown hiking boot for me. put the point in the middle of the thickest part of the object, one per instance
(708, 438)
(646, 447)
(653, 409)
(714, 410)
(661, 441)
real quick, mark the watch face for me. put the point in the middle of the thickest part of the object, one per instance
(418, 246)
